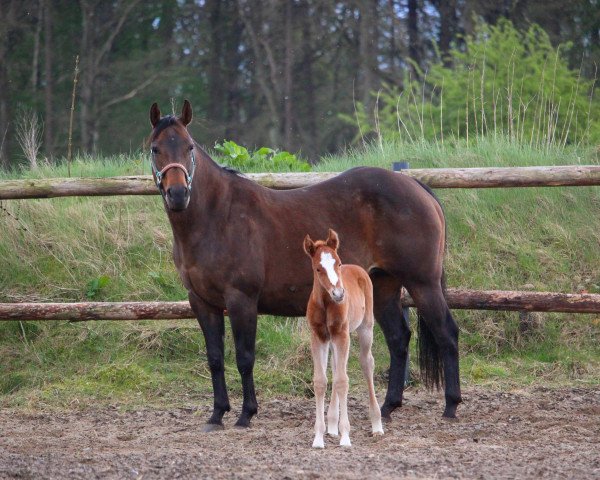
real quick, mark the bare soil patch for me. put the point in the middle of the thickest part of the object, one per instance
(532, 433)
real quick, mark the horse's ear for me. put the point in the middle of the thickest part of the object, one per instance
(333, 240)
(309, 246)
(186, 113)
(154, 114)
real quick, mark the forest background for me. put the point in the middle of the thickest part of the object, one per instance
(295, 75)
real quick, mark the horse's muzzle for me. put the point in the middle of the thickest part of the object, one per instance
(177, 197)
(338, 294)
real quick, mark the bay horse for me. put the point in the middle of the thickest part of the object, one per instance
(235, 246)
(341, 302)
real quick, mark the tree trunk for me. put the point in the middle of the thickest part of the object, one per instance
(7, 27)
(35, 58)
(216, 81)
(311, 144)
(414, 46)
(368, 51)
(87, 76)
(448, 20)
(49, 77)
(288, 79)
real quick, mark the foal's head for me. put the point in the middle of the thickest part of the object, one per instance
(326, 264)
(172, 156)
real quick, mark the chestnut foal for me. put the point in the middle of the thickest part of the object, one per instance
(341, 302)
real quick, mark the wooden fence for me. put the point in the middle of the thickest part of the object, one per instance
(572, 175)
(576, 175)
(457, 299)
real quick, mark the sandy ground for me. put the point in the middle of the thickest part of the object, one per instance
(530, 433)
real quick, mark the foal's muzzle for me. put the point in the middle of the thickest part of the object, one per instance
(177, 197)
(338, 294)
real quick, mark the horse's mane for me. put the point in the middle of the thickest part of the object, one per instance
(163, 123)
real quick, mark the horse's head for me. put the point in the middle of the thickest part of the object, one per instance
(326, 264)
(172, 156)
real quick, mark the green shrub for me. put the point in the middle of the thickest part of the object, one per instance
(262, 160)
(502, 82)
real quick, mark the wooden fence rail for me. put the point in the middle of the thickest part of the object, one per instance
(571, 175)
(457, 299)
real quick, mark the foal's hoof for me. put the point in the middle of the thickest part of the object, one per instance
(212, 427)
(345, 441)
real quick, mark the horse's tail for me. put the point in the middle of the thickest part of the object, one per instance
(430, 360)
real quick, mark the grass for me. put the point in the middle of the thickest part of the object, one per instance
(118, 248)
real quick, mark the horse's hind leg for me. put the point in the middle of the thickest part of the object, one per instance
(388, 312)
(213, 327)
(438, 343)
(367, 363)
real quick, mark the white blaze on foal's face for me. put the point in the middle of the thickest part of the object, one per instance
(328, 262)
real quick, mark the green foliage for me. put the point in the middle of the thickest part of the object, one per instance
(262, 160)
(95, 285)
(502, 82)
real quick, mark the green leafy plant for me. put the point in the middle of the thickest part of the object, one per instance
(263, 159)
(95, 285)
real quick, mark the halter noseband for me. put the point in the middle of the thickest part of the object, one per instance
(159, 174)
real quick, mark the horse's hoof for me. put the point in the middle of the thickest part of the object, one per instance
(242, 423)
(450, 419)
(386, 412)
(212, 427)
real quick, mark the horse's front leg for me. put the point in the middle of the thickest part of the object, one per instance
(243, 316)
(213, 327)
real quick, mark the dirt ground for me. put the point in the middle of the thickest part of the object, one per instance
(522, 434)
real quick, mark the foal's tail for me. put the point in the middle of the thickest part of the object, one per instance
(430, 360)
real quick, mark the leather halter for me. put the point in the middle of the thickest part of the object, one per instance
(159, 174)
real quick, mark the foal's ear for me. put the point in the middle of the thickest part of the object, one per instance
(309, 246)
(154, 114)
(186, 113)
(333, 241)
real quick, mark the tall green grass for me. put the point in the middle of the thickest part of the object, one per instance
(119, 248)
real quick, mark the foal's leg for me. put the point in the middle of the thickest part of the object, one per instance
(341, 349)
(243, 316)
(333, 412)
(213, 327)
(319, 351)
(367, 363)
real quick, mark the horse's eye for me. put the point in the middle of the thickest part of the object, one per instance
(154, 150)
(191, 147)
